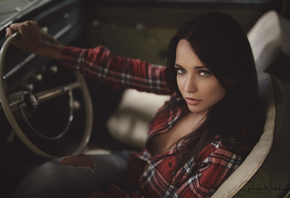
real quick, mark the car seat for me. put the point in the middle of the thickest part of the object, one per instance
(265, 172)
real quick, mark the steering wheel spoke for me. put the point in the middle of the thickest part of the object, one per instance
(15, 100)
(56, 92)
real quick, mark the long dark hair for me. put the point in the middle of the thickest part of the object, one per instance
(222, 46)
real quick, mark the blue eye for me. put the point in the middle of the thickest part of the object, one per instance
(205, 73)
(180, 71)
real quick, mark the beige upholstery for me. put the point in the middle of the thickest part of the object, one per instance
(257, 156)
(130, 123)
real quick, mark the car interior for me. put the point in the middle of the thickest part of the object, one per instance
(47, 111)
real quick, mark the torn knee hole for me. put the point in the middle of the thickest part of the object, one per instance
(78, 161)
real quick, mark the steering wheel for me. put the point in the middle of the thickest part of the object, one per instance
(27, 99)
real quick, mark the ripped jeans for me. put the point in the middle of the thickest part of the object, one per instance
(75, 176)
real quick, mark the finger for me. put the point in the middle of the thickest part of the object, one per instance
(14, 26)
(8, 32)
(20, 26)
(33, 24)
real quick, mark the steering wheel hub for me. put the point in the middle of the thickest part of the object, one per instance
(30, 100)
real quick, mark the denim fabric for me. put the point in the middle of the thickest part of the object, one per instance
(53, 179)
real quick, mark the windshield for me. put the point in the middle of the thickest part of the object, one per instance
(10, 10)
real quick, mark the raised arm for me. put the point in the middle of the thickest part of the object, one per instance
(101, 65)
(98, 63)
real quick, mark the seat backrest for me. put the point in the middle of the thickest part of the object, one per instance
(130, 122)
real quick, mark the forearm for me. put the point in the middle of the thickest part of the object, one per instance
(50, 50)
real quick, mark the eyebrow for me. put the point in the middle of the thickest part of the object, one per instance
(196, 67)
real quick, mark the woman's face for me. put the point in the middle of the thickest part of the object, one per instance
(198, 86)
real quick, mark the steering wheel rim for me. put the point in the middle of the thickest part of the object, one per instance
(12, 120)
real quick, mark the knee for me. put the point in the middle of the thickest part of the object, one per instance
(79, 161)
(57, 178)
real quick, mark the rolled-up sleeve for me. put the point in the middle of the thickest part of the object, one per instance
(101, 65)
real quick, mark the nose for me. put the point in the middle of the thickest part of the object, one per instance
(190, 85)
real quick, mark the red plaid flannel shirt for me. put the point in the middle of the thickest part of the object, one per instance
(152, 175)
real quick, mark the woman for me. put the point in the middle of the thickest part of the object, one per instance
(196, 140)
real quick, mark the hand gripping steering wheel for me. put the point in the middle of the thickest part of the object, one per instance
(43, 96)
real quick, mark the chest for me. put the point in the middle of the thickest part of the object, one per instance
(165, 141)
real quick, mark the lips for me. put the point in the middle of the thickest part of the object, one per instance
(192, 101)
